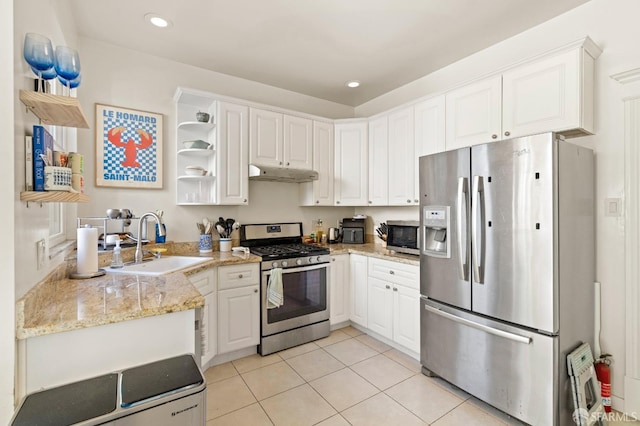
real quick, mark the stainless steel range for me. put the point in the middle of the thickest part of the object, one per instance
(303, 315)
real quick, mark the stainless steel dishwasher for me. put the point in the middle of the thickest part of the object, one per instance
(162, 393)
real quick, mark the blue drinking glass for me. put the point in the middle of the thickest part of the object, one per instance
(48, 74)
(67, 62)
(71, 84)
(38, 52)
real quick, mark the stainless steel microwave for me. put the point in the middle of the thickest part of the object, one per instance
(403, 236)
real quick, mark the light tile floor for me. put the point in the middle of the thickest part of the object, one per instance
(348, 378)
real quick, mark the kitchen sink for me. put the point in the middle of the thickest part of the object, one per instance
(161, 266)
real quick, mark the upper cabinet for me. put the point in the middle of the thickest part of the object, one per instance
(350, 171)
(233, 154)
(402, 158)
(320, 192)
(552, 93)
(474, 113)
(429, 136)
(220, 151)
(379, 161)
(280, 140)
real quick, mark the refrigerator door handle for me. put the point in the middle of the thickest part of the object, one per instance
(476, 243)
(482, 327)
(463, 202)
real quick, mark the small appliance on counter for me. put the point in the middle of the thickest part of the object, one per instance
(334, 235)
(403, 236)
(352, 230)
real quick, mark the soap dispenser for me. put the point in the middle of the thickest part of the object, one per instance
(116, 261)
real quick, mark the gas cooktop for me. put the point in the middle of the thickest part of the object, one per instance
(280, 251)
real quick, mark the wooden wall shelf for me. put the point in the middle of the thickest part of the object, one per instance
(53, 197)
(55, 109)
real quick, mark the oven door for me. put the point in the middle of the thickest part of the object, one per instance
(306, 299)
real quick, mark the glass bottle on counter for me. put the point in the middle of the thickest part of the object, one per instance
(318, 230)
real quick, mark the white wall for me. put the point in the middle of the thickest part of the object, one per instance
(612, 24)
(7, 289)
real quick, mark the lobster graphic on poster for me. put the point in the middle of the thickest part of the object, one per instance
(129, 148)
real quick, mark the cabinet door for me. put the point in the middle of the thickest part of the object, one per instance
(209, 327)
(380, 307)
(542, 96)
(350, 172)
(320, 192)
(339, 289)
(265, 138)
(378, 161)
(358, 289)
(474, 114)
(233, 154)
(406, 317)
(429, 120)
(298, 143)
(238, 318)
(402, 164)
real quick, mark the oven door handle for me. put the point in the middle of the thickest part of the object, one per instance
(299, 269)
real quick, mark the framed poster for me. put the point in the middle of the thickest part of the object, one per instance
(128, 148)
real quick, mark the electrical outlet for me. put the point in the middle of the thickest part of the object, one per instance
(41, 253)
(613, 207)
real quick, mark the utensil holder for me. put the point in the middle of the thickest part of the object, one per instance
(225, 244)
(206, 243)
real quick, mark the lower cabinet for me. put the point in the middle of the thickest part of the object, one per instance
(393, 299)
(339, 298)
(238, 307)
(358, 289)
(206, 283)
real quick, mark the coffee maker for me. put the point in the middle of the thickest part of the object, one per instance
(352, 231)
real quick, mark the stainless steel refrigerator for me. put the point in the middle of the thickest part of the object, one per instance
(507, 270)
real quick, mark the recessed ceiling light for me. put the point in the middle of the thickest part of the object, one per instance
(157, 20)
(353, 83)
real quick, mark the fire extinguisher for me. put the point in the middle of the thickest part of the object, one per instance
(603, 372)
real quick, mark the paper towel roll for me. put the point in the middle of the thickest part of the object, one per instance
(87, 250)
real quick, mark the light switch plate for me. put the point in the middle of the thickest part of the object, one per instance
(613, 207)
(41, 253)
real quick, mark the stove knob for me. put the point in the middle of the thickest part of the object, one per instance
(319, 259)
(274, 265)
(284, 263)
(299, 262)
(311, 260)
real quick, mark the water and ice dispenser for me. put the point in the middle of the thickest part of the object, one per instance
(435, 220)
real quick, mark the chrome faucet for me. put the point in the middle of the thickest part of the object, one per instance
(139, 253)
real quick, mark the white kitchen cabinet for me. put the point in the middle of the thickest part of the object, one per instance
(206, 283)
(551, 94)
(394, 302)
(358, 289)
(429, 138)
(402, 158)
(378, 161)
(320, 192)
(298, 142)
(474, 113)
(380, 307)
(554, 92)
(280, 140)
(233, 154)
(238, 307)
(350, 171)
(339, 290)
(265, 137)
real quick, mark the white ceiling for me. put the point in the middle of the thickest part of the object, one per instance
(315, 46)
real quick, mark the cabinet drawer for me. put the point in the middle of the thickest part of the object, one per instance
(235, 276)
(395, 272)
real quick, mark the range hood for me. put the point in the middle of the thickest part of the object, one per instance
(279, 174)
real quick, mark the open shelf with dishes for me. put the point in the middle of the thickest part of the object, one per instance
(195, 149)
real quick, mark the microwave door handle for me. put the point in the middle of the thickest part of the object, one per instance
(477, 243)
(463, 198)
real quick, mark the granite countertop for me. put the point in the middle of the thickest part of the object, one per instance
(375, 250)
(58, 304)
